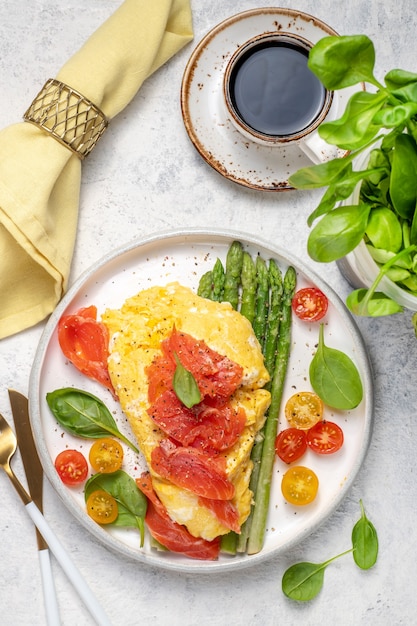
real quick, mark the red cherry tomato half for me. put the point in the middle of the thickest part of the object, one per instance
(325, 437)
(72, 467)
(291, 444)
(310, 304)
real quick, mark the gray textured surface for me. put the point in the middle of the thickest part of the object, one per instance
(146, 176)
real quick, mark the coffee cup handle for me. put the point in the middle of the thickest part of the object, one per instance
(318, 150)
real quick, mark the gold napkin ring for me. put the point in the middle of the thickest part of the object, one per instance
(67, 116)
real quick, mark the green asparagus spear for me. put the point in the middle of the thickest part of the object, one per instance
(218, 281)
(257, 532)
(205, 286)
(256, 456)
(262, 299)
(248, 280)
(228, 543)
(234, 261)
(274, 316)
(269, 350)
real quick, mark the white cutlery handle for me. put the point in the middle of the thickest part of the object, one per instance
(68, 566)
(49, 593)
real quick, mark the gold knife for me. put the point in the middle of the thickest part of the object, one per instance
(34, 475)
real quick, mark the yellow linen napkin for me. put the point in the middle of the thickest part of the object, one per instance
(40, 178)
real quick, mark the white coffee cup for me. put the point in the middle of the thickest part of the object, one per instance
(273, 98)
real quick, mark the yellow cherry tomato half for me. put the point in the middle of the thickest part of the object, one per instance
(106, 455)
(303, 410)
(102, 507)
(299, 485)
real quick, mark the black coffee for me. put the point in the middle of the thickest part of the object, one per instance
(273, 90)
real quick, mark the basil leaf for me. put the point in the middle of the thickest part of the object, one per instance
(185, 385)
(341, 62)
(364, 542)
(131, 502)
(84, 415)
(338, 233)
(334, 377)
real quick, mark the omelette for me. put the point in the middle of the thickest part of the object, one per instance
(139, 332)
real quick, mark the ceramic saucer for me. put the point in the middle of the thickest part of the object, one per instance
(205, 118)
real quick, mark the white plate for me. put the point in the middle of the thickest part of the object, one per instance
(203, 110)
(185, 256)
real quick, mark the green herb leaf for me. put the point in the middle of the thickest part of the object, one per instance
(384, 229)
(356, 126)
(396, 79)
(304, 581)
(364, 542)
(341, 62)
(185, 385)
(403, 185)
(393, 116)
(320, 175)
(84, 415)
(340, 190)
(131, 502)
(338, 233)
(377, 304)
(334, 377)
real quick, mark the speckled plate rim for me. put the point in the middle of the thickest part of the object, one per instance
(185, 238)
(206, 122)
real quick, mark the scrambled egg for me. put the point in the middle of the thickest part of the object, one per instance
(136, 332)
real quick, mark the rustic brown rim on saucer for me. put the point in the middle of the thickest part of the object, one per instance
(236, 158)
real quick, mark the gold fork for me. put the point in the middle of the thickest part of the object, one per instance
(8, 446)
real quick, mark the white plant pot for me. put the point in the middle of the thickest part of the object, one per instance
(359, 268)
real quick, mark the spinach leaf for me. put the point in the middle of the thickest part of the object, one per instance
(393, 116)
(341, 62)
(303, 581)
(338, 233)
(355, 128)
(320, 175)
(131, 502)
(364, 541)
(84, 415)
(185, 385)
(403, 184)
(395, 79)
(384, 229)
(413, 228)
(376, 304)
(334, 377)
(372, 303)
